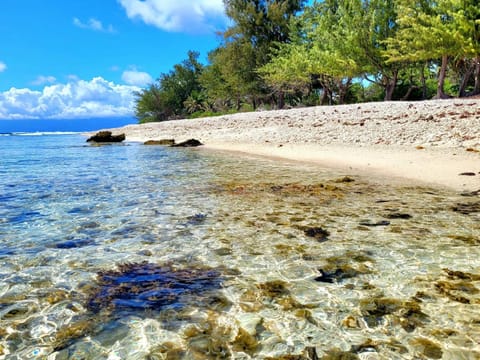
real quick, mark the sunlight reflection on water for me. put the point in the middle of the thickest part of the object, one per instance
(380, 283)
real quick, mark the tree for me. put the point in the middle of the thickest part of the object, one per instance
(467, 15)
(259, 26)
(230, 75)
(435, 30)
(149, 105)
(340, 40)
(166, 98)
(180, 83)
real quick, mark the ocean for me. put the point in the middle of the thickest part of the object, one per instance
(128, 251)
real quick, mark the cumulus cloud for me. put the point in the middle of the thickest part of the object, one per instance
(93, 24)
(3, 66)
(42, 80)
(76, 99)
(137, 78)
(179, 15)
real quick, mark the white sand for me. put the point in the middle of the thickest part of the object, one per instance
(430, 141)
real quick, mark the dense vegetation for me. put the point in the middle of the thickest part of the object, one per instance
(283, 52)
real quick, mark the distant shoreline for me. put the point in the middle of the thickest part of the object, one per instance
(430, 141)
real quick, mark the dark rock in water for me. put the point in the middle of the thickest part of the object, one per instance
(467, 208)
(106, 137)
(336, 275)
(396, 215)
(345, 179)
(188, 143)
(407, 313)
(470, 193)
(468, 173)
(318, 233)
(275, 288)
(163, 142)
(377, 223)
(142, 286)
(196, 219)
(6, 252)
(71, 244)
(428, 348)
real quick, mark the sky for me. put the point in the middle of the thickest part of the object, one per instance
(74, 60)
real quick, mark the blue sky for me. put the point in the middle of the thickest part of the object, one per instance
(80, 59)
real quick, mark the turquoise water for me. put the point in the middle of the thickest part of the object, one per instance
(138, 252)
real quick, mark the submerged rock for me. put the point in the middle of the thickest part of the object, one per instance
(467, 208)
(106, 137)
(142, 286)
(71, 244)
(196, 219)
(427, 348)
(345, 179)
(375, 223)
(188, 143)
(398, 215)
(407, 313)
(458, 286)
(318, 233)
(336, 275)
(471, 193)
(344, 266)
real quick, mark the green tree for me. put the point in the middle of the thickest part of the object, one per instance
(438, 30)
(167, 97)
(230, 78)
(259, 26)
(340, 40)
(149, 105)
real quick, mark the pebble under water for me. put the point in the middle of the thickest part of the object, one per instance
(136, 252)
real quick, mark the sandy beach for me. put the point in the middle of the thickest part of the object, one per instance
(436, 142)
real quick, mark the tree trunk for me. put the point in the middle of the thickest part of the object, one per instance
(390, 86)
(281, 100)
(409, 92)
(441, 79)
(476, 76)
(465, 78)
(343, 90)
(424, 83)
(238, 103)
(324, 98)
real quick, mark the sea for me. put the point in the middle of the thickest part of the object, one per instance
(128, 251)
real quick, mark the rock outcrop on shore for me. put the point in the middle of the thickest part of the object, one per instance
(106, 137)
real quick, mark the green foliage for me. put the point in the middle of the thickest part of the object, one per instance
(436, 29)
(230, 76)
(340, 40)
(174, 94)
(259, 28)
(150, 106)
(280, 52)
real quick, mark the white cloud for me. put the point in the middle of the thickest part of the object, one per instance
(42, 80)
(3, 66)
(179, 15)
(76, 99)
(93, 24)
(137, 78)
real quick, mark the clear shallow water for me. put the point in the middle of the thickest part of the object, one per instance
(136, 252)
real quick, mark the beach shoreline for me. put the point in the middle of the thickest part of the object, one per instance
(434, 167)
(434, 142)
